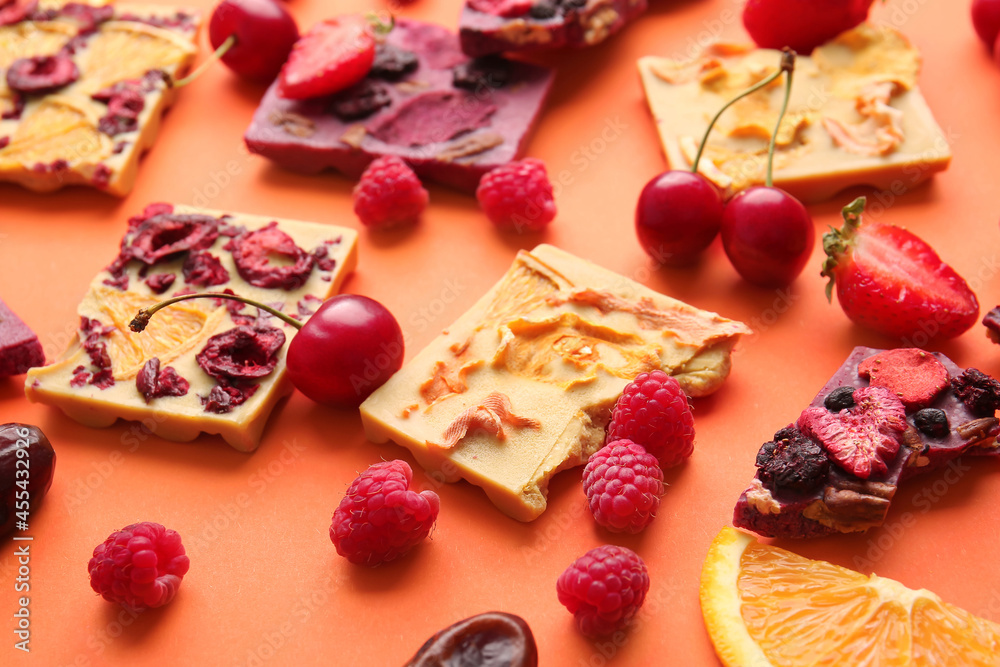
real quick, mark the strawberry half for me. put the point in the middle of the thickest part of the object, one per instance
(335, 54)
(891, 281)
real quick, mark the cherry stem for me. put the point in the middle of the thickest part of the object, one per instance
(218, 53)
(788, 66)
(379, 24)
(141, 319)
(749, 91)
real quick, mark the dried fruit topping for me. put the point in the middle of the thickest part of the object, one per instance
(623, 484)
(932, 422)
(992, 324)
(380, 518)
(41, 74)
(25, 443)
(913, 375)
(152, 382)
(15, 11)
(242, 353)
(545, 9)
(204, 269)
(360, 101)
(139, 566)
(393, 63)
(493, 638)
(91, 333)
(160, 282)
(504, 8)
(863, 439)
(125, 101)
(253, 252)
(604, 589)
(224, 398)
(839, 399)
(389, 194)
(333, 55)
(978, 391)
(164, 235)
(87, 16)
(488, 72)
(792, 461)
(653, 411)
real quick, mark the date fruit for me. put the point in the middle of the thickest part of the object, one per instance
(27, 461)
(492, 639)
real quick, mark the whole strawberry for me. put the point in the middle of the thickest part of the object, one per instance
(891, 281)
(801, 25)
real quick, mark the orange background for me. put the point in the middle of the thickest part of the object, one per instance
(266, 586)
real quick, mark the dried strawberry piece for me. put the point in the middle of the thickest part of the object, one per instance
(252, 253)
(160, 282)
(864, 439)
(978, 391)
(224, 397)
(152, 382)
(913, 375)
(242, 353)
(166, 234)
(41, 74)
(204, 269)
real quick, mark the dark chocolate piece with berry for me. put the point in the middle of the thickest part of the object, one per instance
(885, 416)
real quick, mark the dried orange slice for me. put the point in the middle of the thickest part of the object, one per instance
(29, 38)
(57, 129)
(765, 606)
(126, 50)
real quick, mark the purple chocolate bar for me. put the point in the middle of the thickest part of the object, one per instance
(19, 346)
(838, 501)
(451, 118)
(542, 24)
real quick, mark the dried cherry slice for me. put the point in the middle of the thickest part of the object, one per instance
(204, 269)
(242, 353)
(164, 235)
(492, 638)
(41, 74)
(154, 382)
(254, 251)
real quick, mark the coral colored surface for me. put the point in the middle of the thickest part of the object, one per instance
(265, 585)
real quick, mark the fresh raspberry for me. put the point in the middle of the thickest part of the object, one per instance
(604, 589)
(140, 566)
(380, 519)
(623, 483)
(389, 194)
(654, 412)
(518, 196)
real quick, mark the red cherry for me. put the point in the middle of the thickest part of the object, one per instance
(265, 33)
(768, 235)
(986, 20)
(345, 351)
(801, 25)
(678, 216)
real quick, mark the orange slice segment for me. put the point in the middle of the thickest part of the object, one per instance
(173, 331)
(765, 606)
(57, 129)
(125, 50)
(31, 38)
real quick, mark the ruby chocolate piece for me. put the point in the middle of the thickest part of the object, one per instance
(448, 133)
(844, 502)
(19, 346)
(549, 24)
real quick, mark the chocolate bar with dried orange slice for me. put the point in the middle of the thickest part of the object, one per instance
(202, 365)
(84, 87)
(522, 385)
(884, 416)
(855, 116)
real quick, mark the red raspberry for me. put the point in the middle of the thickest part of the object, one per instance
(604, 589)
(389, 194)
(518, 196)
(623, 483)
(380, 519)
(654, 412)
(140, 566)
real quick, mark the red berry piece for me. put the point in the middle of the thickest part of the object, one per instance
(15, 11)
(792, 462)
(768, 235)
(345, 351)
(335, 54)
(253, 252)
(864, 439)
(504, 8)
(41, 74)
(978, 391)
(801, 25)
(139, 566)
(678, 215)
(518, 196)
(389, 194)
(204, 270)
(164, 235)
(604, 589)
(241, 353)
(623, 484)
(653, 411)
(891, 281)
(913, 375)
(154, 382)
(380, 518)
(986, 20)
(264, 32)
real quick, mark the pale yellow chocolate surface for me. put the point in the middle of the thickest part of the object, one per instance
(521, 386)
(177, 333)
(62, 127)
(855, 116)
